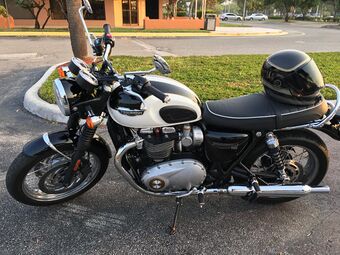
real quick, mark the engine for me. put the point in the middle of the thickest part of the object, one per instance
(167, 174)
(159, 143)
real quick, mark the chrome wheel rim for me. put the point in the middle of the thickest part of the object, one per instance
(30, 185)
(300, 162)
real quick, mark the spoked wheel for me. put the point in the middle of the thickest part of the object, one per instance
(39, 180)
(305, 157)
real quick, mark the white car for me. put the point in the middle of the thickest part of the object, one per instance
(257, 16)
(230, 16)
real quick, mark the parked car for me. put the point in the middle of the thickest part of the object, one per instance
(257, 16)
(230, 16)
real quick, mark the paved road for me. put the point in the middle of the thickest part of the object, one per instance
(112, 218)
(303, 36)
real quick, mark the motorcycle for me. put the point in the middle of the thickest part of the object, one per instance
(169, 143)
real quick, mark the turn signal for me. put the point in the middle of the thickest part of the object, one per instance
(61, 72)
(89, 123)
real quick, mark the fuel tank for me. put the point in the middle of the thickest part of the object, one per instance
(129, 110)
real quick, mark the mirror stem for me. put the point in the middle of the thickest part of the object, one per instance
(81, 13)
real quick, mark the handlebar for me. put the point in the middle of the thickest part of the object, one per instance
(107, 29)
(156, 92)
(145, 86)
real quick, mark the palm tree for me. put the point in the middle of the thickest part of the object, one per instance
(77, 33)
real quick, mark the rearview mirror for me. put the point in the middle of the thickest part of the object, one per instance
(161, 65)
(88, 6)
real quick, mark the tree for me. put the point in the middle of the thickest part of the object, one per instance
(287, 6)
(336, 6)
(3, 12)
(77, 33)
(252, 5)
(35, 7)
(306, 5)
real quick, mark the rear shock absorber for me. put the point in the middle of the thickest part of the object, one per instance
(275, 153)
(84, 142)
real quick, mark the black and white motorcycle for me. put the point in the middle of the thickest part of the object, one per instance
(169, 143)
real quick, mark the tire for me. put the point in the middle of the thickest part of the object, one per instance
(303, 138)
(225, 19)
(251, 19)
(22, 165)
(238, 19)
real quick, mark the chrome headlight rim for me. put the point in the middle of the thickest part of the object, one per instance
(61, 97)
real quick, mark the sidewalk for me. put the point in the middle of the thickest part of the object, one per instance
(220, 31)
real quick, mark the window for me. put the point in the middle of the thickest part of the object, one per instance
(98, 7)
(130, 11)
(16, 11)
(56, 9)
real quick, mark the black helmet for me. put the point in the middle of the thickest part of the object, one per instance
(292, 77)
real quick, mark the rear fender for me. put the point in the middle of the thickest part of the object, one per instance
(38, 146)
(332, 128)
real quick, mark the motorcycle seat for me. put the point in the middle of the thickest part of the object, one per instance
(259, 112)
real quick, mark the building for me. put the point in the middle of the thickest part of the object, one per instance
(117, 13)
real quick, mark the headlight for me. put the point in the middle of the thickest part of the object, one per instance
(61, 97)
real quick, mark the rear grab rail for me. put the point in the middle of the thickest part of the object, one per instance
(333, 110)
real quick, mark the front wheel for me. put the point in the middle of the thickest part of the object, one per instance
(305, 156)
(39, 180)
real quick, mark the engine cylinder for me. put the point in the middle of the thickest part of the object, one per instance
(160, 151)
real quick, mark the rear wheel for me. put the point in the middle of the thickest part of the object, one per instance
(39, 180)
(305, 156)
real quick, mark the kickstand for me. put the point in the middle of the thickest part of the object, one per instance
(174, 222)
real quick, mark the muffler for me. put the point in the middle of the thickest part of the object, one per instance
(278, 191)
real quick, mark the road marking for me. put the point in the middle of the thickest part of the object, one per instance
(153, 49)
(18, 56)
(94, 220)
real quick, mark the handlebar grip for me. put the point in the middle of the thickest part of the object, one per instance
(107, 28)
(156, 92)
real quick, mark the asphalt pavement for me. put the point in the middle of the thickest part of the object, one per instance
(113, 218)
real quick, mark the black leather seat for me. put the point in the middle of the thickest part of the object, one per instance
(259, 112)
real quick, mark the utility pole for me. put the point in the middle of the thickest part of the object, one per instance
(244, 9)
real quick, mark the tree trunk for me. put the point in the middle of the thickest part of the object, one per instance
(286, 17)
(77, 33)
(335, 10)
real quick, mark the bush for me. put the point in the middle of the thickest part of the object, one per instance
(3, 11)
(181, 13)
(275, 17)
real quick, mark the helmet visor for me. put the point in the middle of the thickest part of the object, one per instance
(306, 81)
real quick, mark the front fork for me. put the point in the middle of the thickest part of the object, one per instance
(83, 144)
(275, 153)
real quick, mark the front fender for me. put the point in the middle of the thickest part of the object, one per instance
(38, 146)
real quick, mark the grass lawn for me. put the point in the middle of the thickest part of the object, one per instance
(233, 25)
(215, 77)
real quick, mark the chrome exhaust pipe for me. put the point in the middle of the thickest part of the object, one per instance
(278, 191)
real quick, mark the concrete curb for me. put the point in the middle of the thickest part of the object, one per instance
(34, 104)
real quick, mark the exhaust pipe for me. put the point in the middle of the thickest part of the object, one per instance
(278, 191)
